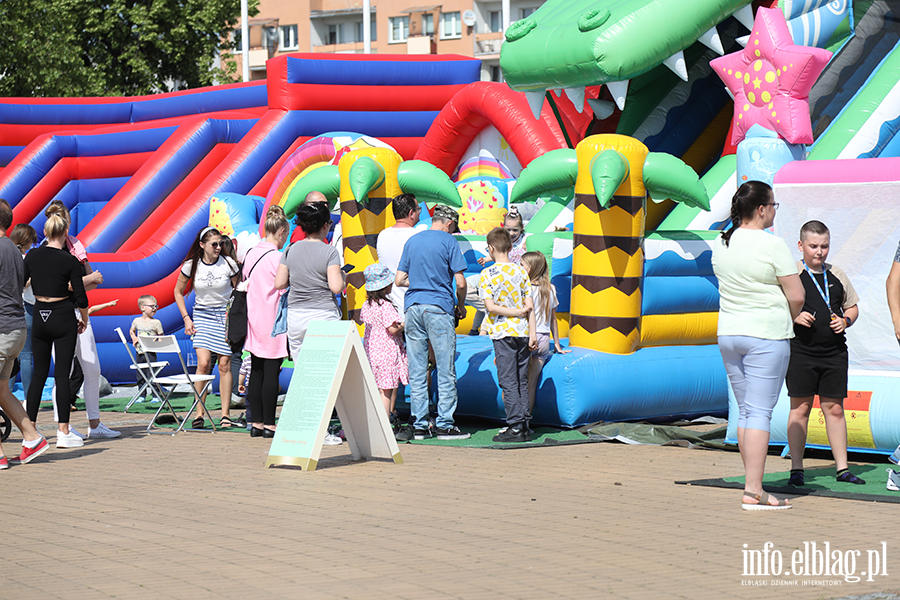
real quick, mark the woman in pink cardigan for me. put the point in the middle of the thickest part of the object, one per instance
(266, 352)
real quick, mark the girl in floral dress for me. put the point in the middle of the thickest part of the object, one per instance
(383, 339)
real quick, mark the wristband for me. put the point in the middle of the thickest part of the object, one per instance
(185, 317)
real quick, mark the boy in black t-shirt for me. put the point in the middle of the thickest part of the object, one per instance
(819, 361)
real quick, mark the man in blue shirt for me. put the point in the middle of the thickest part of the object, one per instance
(430, 263)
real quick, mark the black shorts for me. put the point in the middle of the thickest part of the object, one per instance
(825, 376)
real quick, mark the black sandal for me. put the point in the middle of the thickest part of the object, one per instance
(225, 423)
(796, 478)
(845, 476)
(198, 423)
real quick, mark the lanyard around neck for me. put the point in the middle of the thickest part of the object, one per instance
(826, 295)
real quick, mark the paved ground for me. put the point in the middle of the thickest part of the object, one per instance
(197, 516)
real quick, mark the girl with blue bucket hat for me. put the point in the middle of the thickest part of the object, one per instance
(383, 339)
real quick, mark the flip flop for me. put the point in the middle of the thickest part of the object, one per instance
(763, 502)
(225, 423)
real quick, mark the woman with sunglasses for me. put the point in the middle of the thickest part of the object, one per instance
(213, 277)
(760, 295)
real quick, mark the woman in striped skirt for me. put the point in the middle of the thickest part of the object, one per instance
(213, 277)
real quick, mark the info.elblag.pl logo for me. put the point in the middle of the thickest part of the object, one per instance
(829, 566)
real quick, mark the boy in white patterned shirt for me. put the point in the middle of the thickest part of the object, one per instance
(506, 292)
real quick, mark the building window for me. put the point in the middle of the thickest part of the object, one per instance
(398, 29)
(496, 22)
(332, 35)
(358, 28)
(237, 40)
(451, 25)
(287, 37)
(526, 12)
(496, 74)
(428, 24)
(270, 39)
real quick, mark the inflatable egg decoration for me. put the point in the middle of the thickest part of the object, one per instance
(484, 204)
(236, 216)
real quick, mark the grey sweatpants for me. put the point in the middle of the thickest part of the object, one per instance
(512, 356)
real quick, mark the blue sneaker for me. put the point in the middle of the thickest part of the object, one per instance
(895, 457)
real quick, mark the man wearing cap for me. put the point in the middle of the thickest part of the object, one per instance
(430, 263)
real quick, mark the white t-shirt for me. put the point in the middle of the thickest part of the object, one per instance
(542, 319)
(751, 301)
(390, 247)
(212, 283)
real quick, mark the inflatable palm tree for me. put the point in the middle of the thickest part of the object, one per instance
(366, 180)
(612, 175)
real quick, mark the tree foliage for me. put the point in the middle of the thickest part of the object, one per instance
(113, 47)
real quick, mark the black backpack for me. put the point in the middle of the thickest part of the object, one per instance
(236, 326)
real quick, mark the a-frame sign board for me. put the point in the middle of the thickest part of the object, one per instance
(332, 371)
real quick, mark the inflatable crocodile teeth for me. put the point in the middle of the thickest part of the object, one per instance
(570, 44)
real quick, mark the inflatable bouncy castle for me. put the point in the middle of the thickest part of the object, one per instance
(624, 147)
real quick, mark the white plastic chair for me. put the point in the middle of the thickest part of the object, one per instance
(146, 370)
(168, 344)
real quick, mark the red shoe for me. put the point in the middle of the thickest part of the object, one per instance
(29, 454)
(4, 464)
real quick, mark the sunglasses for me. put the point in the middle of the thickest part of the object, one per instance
(215, 244)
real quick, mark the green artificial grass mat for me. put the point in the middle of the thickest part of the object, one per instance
(819, 482)
(482, 438)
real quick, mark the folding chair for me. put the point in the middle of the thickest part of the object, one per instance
(168, 344)
(146, 370)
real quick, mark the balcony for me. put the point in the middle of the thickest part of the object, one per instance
(348, 48)
(488, 44)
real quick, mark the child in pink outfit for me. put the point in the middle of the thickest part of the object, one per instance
(383, 339)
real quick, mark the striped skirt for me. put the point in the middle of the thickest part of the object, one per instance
(210, 325)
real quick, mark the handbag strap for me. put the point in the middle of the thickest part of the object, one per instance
(254, 265)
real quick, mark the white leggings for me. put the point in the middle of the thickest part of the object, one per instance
(86, 351)
(756, 369)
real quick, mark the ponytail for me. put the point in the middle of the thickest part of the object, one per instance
(750, 196)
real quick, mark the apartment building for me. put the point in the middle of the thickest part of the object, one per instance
(465, 27)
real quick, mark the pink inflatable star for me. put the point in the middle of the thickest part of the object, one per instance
(771, 78)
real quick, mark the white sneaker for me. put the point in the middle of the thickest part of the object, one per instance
(893, 480)
(102, 431)
(76, 432)
(68, 440)
(332, 440)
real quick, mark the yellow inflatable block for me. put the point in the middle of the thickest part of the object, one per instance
(360, 260)
(562, 324)
(608, 303)
(631, 149)
(608, 263)
(355, 298)
(389, 161)
(692, 329)
(612, 221)
(465, 325)
(609, 340)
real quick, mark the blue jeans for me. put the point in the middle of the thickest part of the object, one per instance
(427, 323)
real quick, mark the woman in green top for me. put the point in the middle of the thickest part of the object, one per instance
(760, 294)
